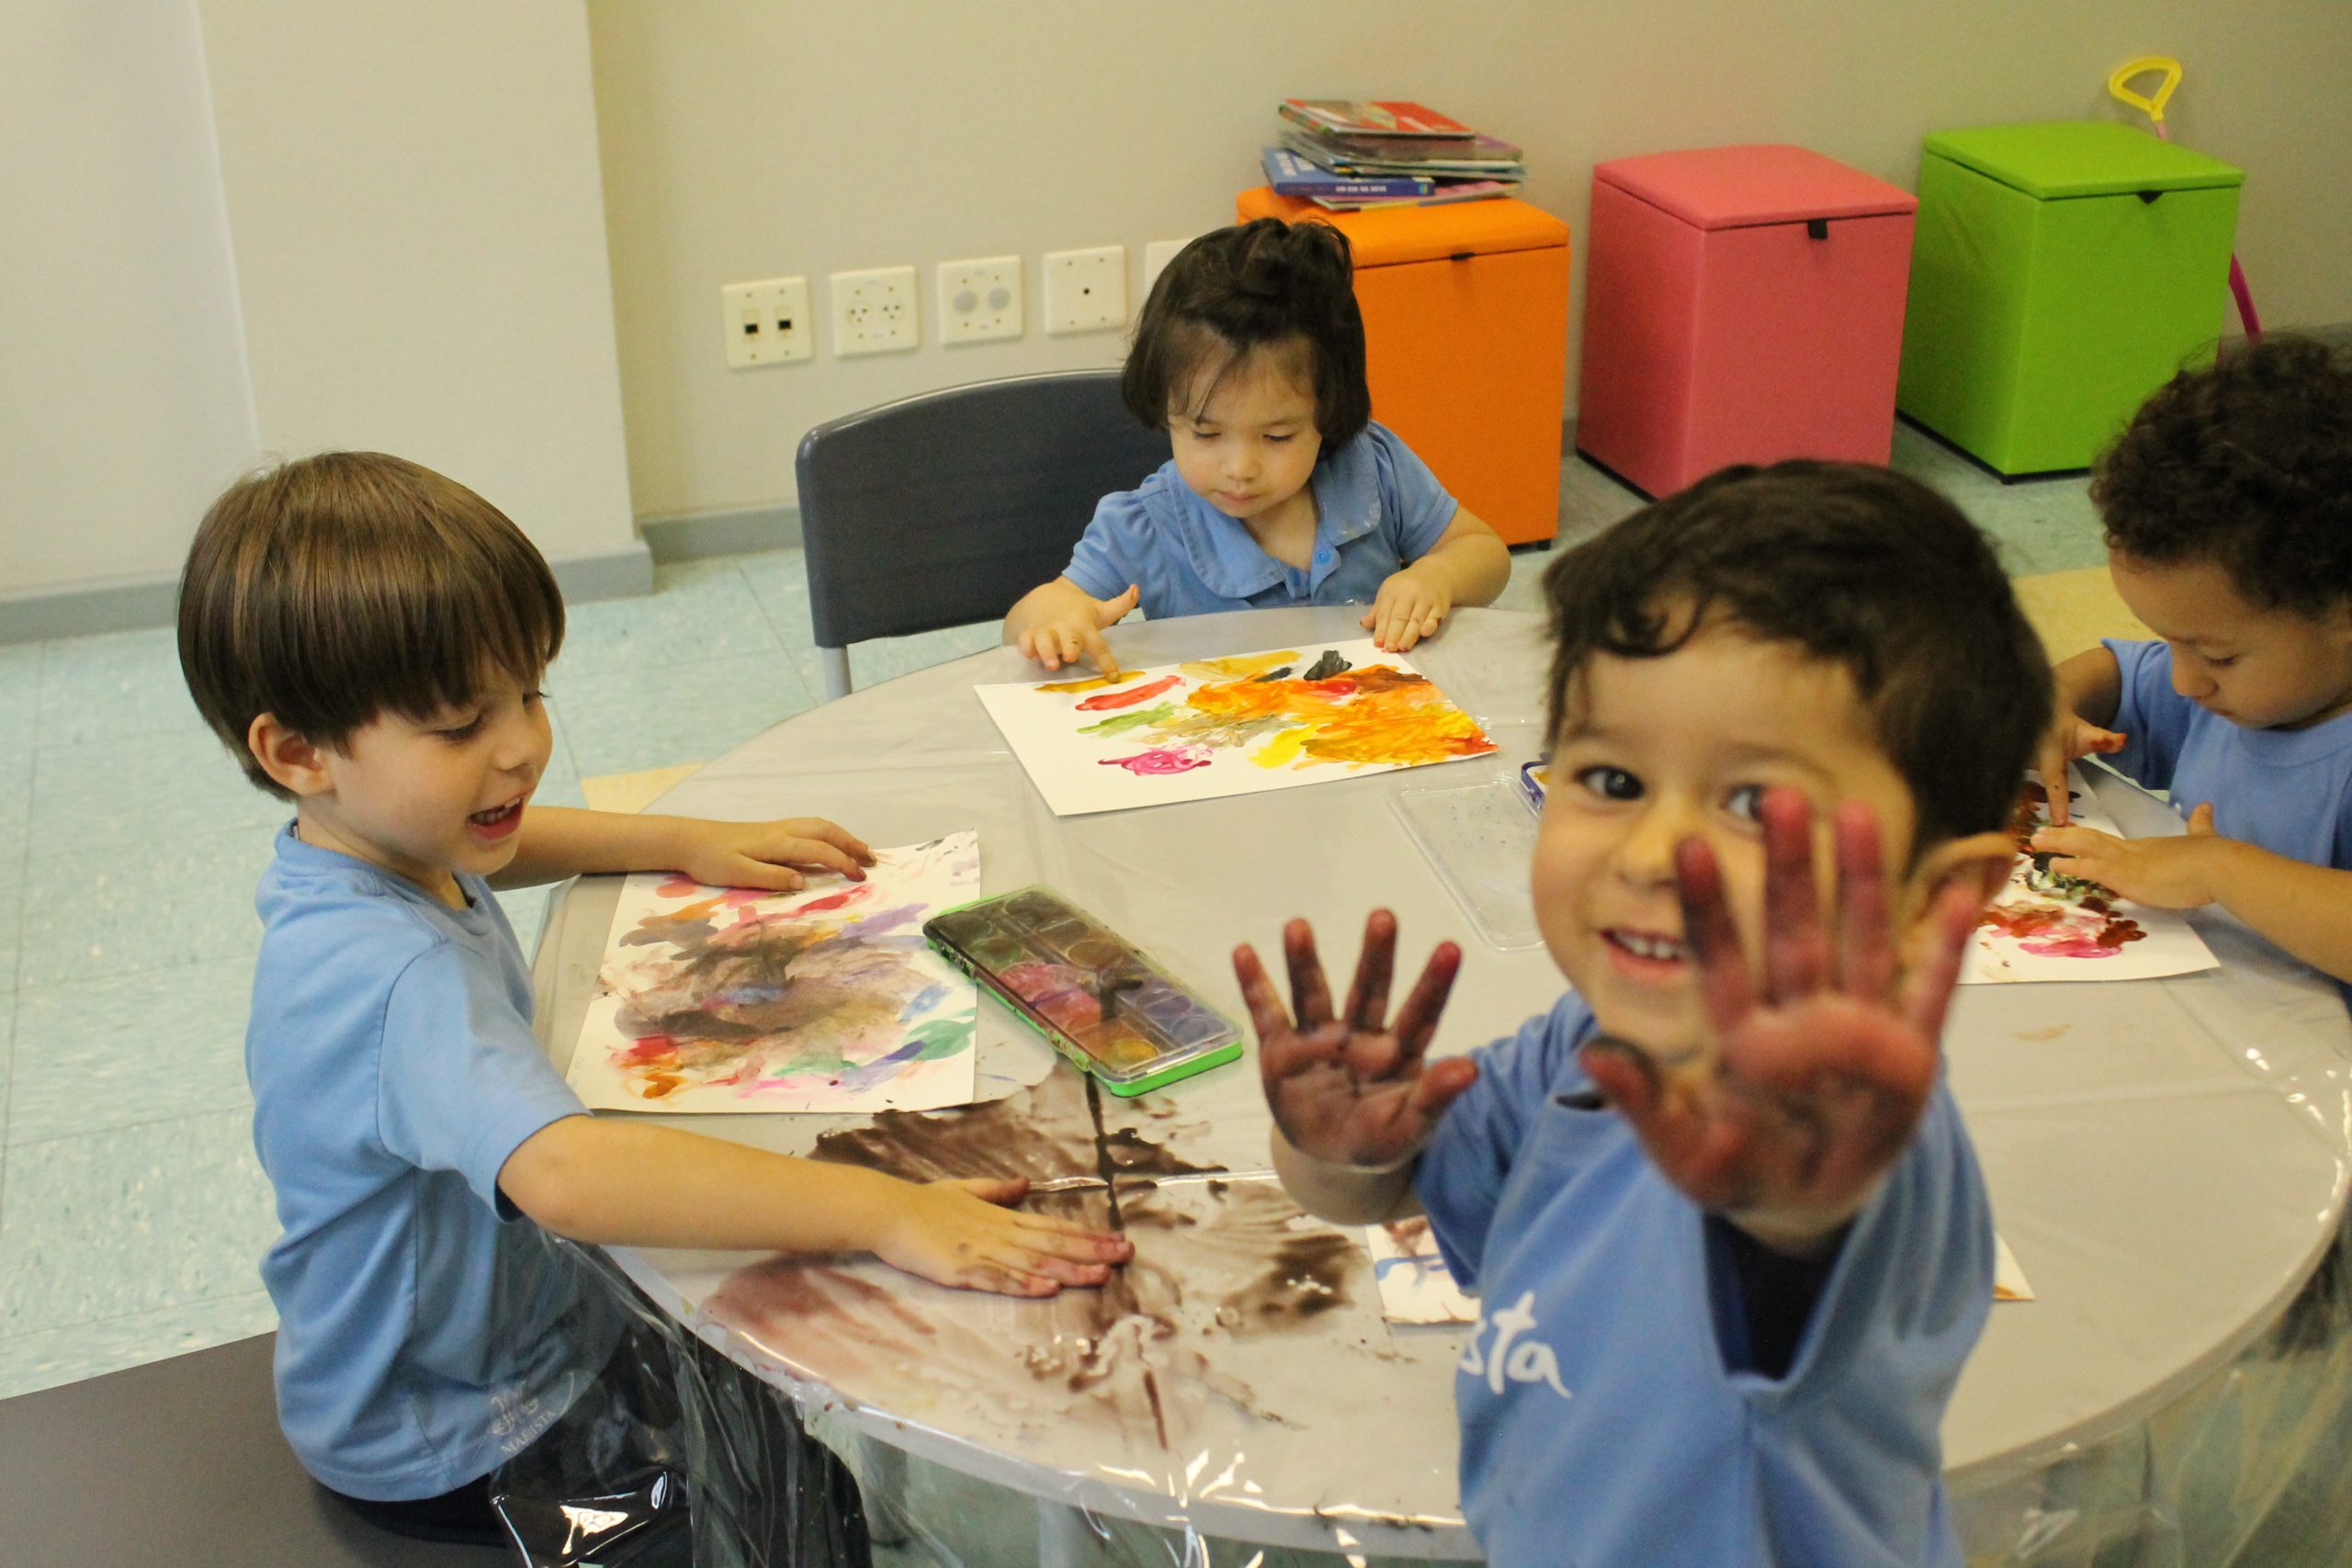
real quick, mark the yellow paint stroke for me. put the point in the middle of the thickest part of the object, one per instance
(1376, 714)
(1282, 750)
(1096, 684)
(1239, 667)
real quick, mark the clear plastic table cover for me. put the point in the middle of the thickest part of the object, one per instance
(2168, 1160)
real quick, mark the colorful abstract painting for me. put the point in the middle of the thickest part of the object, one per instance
(1232, 726)
(731, 999)
(2046, 925)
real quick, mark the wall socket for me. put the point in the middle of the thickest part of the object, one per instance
(979, 299)
(767, 322)
(1086, 291)
(874, 311)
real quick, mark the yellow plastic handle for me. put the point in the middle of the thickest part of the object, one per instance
(2155, 105)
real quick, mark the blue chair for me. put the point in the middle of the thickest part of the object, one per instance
(944, 509)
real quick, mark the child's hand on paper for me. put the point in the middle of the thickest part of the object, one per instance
(1824, 1066)
(2182, 873)
(2067, 738)
(763, 855)
(968, 1233)
(1351, 1088)
(1412, 604)
(1067, 624)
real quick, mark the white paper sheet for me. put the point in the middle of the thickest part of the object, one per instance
(1414, 1285)
(2039, 929)
(1213, 727)
(718, 1000)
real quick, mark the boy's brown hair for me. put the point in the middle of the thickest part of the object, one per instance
(1857, 566)
(332, 589)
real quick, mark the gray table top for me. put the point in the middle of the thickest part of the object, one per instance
(2167, 1158)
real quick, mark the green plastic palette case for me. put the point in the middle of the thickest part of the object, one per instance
(1093, 994)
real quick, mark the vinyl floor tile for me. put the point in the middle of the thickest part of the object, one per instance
(171, 784)
(102, 688)
(625, 721)
(30, 1362)
(700, 611)
(116, 909)
(133, 1220)
(130, 1049)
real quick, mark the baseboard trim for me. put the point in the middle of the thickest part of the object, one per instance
(137, 604)
(697, 536)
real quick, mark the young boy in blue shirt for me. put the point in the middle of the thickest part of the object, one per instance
(367, 637)
(1281, 489)
(2228, 506)
(1729, 1236)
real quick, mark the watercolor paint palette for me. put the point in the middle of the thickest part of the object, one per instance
(1093, 994)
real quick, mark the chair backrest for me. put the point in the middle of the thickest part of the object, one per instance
(942, 509)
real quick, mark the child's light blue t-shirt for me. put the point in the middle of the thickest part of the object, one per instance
(393, 1071)
(1606, 1416)
(1378, 509)
(2286, 790)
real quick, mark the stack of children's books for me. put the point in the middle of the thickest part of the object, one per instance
(1344, 154)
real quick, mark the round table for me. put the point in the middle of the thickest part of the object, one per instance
(2166, 1159)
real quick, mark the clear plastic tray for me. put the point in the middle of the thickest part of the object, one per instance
(1480, 840)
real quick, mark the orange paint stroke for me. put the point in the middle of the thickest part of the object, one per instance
(1240, 667)
(1094, 685)
(1129, 697)
(1378, 715)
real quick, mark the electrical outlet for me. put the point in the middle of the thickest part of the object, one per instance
(873, 312)
(767, 322)
(1157, 254)
(1086, 291)
(979, 299)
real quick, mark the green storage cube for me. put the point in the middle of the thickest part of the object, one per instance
(2060, 273)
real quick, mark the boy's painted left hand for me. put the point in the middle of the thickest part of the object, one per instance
(763, 855)
(2164, 874)
(1412, 604)
(1824, 1064)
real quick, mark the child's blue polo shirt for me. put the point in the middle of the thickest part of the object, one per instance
(1378, 508)
(1607, 1417)
(393, 1071)
(2286, 790)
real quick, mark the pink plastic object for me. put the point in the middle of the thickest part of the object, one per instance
(1742, 305)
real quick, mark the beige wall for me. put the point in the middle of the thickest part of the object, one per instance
(230, 227)
(123, 403)
(748, 139)
(414, 201)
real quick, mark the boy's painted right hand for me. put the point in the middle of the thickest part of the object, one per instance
(2067, 738)
(969, 1235)
(1075, 630)
(1352, 1089)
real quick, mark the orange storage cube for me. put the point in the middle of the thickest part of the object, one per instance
(1466, 325)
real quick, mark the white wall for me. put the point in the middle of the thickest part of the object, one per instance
(123, 401)
(747, 139)
(231, 228)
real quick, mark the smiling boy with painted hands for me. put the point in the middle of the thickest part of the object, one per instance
(2228, 505)
(1730, 1238)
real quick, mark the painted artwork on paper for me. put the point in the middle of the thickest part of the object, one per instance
(732, 1000)
(1232, 726)
(1415, 1284)
(2046, 925)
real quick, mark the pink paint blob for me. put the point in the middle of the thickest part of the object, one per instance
(1159, 761)
(1129, 697)
(831, 901)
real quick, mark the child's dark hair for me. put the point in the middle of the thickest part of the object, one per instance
(1860, 567)
(333, 589)
(2246, 463)
(1260, 285)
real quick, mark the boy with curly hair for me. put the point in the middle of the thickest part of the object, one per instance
(2228, 506)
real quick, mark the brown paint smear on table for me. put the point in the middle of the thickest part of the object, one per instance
(1217, 1260)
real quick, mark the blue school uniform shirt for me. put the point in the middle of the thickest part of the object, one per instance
(393, 1070)
(1378, 509)
(1607, 1417)
(2288, 790)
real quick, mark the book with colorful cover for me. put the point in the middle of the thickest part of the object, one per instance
(1383, 116)
(1485, 156)
(1459, 190)
(1290, 174)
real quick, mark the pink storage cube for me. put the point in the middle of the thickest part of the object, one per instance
(1742, 305)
